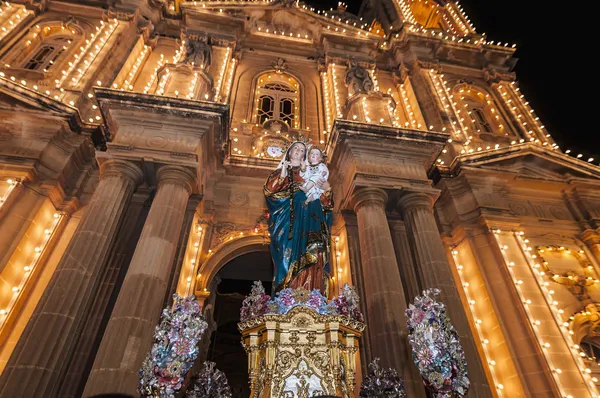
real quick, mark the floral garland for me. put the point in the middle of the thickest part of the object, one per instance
(382, 383)
(259, 303)
(436, 347)
(209, 383)
(174, 350)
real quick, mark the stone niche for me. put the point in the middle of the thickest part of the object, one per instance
(301, 354)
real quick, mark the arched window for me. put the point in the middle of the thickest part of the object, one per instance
(278, 99)
(480, 121)
(47, 54)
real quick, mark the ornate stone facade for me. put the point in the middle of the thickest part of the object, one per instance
(136, 136)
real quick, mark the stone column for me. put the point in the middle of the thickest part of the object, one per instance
(434, 271)
(46, 344)
(386, 322)
(128, 336)
(75, 375)
(406, 263)
(356, 271)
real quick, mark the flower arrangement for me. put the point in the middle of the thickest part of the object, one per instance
(382, 383)
(259, 303)
(436, 347)
(174, 350)
(210, 382)
(256, 304)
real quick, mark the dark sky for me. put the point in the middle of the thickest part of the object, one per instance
(554, 71)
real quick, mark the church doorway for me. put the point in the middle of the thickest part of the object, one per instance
(235, 281)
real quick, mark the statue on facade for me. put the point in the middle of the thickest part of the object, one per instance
(358, 79)
(300, 231)
(197, 53)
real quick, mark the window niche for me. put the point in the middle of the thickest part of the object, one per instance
(42, 50)
(480, 116)
(277, 98)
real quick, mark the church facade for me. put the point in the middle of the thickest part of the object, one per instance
(136, 137)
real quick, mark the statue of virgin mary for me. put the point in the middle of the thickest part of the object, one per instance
(300, 232)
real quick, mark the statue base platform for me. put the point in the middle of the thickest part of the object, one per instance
(301, 354)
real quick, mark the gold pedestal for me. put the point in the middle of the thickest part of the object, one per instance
(301, 354)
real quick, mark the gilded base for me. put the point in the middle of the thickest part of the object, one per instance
(301, 354)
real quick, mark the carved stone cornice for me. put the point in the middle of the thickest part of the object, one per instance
(493, 76)
(434, 65)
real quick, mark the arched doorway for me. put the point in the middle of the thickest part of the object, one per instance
(235, 280)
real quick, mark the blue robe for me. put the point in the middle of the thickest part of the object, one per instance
(300, 239)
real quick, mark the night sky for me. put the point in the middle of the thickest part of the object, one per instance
(554, 70)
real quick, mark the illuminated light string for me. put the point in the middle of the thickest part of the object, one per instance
(512, 104)
(12, 183)
(337, 102)
(552, 305)
(455, 10)
(28, 270)
(165, 77)
(95, 51)
(230, 79)
(222, 74)
(14, 15)
(449, 103)
(536, 120)
(126, 85)
(407, 107)
(406, 12)
(365, 110)
(327, 95)
(153, 75)
(563, 325)
(81, 57)
(338, 263)
(274, 32)
(195, 241)
(478, 323)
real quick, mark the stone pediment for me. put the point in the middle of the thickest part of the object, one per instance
(530, 162)
(282, 17)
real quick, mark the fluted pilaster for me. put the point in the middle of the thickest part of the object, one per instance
(128, 336)
(434, 271)
(46, 344)
(383, 287)
(75, 377)
(16, 216)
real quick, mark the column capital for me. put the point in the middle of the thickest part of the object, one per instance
(122, 168)
(176, 175)
(369, 196)
(591, 236)
(413, 200)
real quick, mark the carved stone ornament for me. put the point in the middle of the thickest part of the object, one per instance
(197, 52)
(280, 65)
(358, 79)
